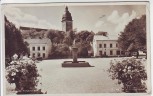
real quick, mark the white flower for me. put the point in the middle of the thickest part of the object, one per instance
(124, 70)
(24, 71)
(30, 62)
(13, 66)
(18, 62)
(17, 70)
(25, 58)
(120, 69)
(15, 56)
(26, 62)
(13, 74)
(126, 66)
(129, 67)
(143, 59)
(129, 71)
(30, 56)
(12, 62)
(130, 76)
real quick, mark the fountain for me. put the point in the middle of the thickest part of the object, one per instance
(75, 62)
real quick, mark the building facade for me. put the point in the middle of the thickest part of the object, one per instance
(67, 22)
(39, 48)
(106, 46)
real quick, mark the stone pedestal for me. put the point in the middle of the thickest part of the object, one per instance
(75, 54)
(75, 62)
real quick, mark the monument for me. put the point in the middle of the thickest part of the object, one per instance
(67, 25)
(75, 62)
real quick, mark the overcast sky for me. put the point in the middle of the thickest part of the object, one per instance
(109, 18)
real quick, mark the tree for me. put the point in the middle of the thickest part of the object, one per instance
(134, 36)
(55, 36)
(83, 42)
(13, 40)
(60, 51)
(28, 32)
(82, 51)
(84, 36)
(69, 38)
(68, 41)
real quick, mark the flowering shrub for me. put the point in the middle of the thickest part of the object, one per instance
(131, 73)
(23, 72)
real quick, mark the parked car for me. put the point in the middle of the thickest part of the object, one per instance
(141, 53)
(134, 53)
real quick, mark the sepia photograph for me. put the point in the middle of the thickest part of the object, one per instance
(76, 48)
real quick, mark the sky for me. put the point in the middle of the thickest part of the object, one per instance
(108, 18)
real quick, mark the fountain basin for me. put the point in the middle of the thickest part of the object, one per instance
(75, 64)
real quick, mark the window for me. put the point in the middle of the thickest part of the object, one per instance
(104, 45)
(110, 45)
(116, 45)
(38, 48)
(111, 52)
(100, 53)
(33, 48)
(118, 52)
(100, 45)
(122, 52)
(43, 55)
(38, 54)
(105, 53)
(33, 55)
(44, 48)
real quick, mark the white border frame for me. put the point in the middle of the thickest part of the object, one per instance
(49, 1)
(85, 1)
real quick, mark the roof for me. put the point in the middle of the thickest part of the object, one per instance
(109, 37)
(67, 15)
(37, 41)
(29, 28)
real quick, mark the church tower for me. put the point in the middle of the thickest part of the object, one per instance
(67, 22)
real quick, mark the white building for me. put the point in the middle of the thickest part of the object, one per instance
(106, 46)
(39, 47)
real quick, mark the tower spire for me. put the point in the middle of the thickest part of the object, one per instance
(66, 8)
(67, 22)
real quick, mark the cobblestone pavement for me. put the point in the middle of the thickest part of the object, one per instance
(56, 79)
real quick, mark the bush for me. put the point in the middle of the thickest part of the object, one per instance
(131, 73)
(24, 74)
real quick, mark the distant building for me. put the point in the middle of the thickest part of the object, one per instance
(39, 47)
(31, 28)
(102, 33)
(106, 46)
(67, 22)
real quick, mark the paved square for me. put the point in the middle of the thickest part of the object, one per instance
(56, 79)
